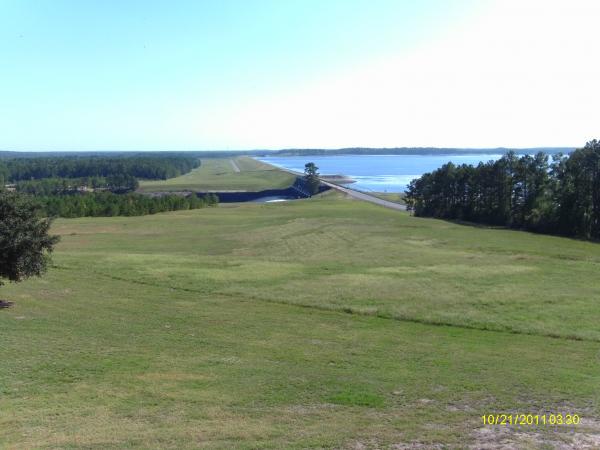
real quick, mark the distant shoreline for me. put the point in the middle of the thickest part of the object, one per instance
(425, 151)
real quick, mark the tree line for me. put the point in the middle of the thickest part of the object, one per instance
(147, 167)
(531, 192)
(118, 183)
(108, 204)
(97, 185)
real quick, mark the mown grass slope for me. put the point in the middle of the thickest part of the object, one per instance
(297, 325)
(220, 175)
(346, 255)
(390, 196)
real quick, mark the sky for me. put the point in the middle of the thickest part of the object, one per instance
(270, 74)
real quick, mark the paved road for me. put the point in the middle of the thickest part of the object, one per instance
(355, 194)
(234, 165)
(365, 197)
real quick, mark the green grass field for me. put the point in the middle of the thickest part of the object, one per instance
(390, 196)
(220, 175)
(322, 323)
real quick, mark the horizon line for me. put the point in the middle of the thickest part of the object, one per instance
(295, 149)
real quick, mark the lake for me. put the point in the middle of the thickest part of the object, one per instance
(380, 173)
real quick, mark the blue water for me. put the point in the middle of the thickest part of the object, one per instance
(381, 173)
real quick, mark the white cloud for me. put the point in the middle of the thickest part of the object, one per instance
(524, 73)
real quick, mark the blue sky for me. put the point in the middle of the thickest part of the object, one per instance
(144, 75)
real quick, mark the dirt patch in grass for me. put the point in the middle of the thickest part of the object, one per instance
(586, 435)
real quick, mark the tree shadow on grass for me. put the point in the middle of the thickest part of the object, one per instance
(522, 230)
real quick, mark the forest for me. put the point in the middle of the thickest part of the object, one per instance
(561, 196)
(118, 183)
(98, 185)
(107, 204)
(146, 167)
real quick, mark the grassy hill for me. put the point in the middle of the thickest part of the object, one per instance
(323, 323)
(221, 175)
(390, 196)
